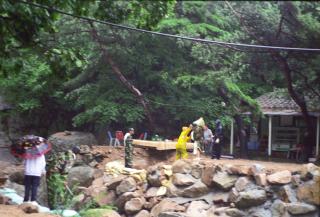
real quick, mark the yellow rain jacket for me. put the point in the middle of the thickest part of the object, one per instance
(181, 147)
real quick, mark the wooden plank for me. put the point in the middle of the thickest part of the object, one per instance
(159, 145)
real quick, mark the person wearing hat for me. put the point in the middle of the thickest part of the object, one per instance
(217, 140)
(128, 149)
(181, 146)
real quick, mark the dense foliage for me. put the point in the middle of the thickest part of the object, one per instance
(65, 70)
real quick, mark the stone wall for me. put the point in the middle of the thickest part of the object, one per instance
(193, 189)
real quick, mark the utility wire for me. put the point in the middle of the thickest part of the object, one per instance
(220, 43)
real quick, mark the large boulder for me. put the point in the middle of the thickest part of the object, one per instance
(103, 197)
(155, 192)
(154, 176)
(143, 213)
(239, 170)
(196, 170)
(197, 208)
(300, 208)
(251, 198)
(234, 212)
(259, 212)
(64, 141)
(287, 194)
(180, 179)
(242, 183)
(196, 190)
(112, 182)
(123, 198)
(181, 166)
(282, 177)
(82, 176)
(4, 139)
(224, 180)
(309, 171)
(127, 185)
(207, 175)
(134, 205)
(166, 205)
(309, 191)
(261, 179)
(256, 169)
(278, 208)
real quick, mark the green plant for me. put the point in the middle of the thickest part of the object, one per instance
(59, 195)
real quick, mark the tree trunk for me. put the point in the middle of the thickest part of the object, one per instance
(285, 68)
(238, 120)
(123, 79)
(242, 135)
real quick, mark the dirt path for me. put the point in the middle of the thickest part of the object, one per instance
(14, 211)
(144, 158)
(269, 165)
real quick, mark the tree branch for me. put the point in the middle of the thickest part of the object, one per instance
(308, 85)
(122, 78)
(279, 28)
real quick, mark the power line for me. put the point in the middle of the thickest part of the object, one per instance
(220, 43)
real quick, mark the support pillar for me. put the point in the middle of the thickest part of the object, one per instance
(317, 142)
(270, 136)
(231, 138)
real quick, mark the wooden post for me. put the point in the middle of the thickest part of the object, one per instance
(318, 129)
(270, 136)
(231, 138)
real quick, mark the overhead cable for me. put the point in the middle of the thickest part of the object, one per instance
(207, 41)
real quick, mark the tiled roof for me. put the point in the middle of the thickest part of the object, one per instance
(279, 102)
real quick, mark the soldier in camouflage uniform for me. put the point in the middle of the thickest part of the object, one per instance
(128, 148)
(198, 139)
(58, 166)
(60, 162)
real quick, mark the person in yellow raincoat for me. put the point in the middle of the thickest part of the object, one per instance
(181, 146)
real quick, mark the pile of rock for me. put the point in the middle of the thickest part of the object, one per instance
(189, 189)
(64, 141)
(79, 142)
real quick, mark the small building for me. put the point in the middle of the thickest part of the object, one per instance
(283, 127)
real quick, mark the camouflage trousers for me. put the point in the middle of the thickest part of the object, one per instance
(128, 159)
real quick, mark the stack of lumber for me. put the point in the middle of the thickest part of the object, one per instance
(159, 145)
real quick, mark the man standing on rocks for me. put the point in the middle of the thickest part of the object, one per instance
(128, 148)
(217, 141)
(207, 136)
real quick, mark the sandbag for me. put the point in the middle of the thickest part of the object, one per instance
(200, 122)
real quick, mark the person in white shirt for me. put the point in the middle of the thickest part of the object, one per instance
(129, 133)
(207, 140)
(34, 168)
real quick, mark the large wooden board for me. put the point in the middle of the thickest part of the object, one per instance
(159, 145)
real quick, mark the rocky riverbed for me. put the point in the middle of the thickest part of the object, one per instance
(190, 188)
